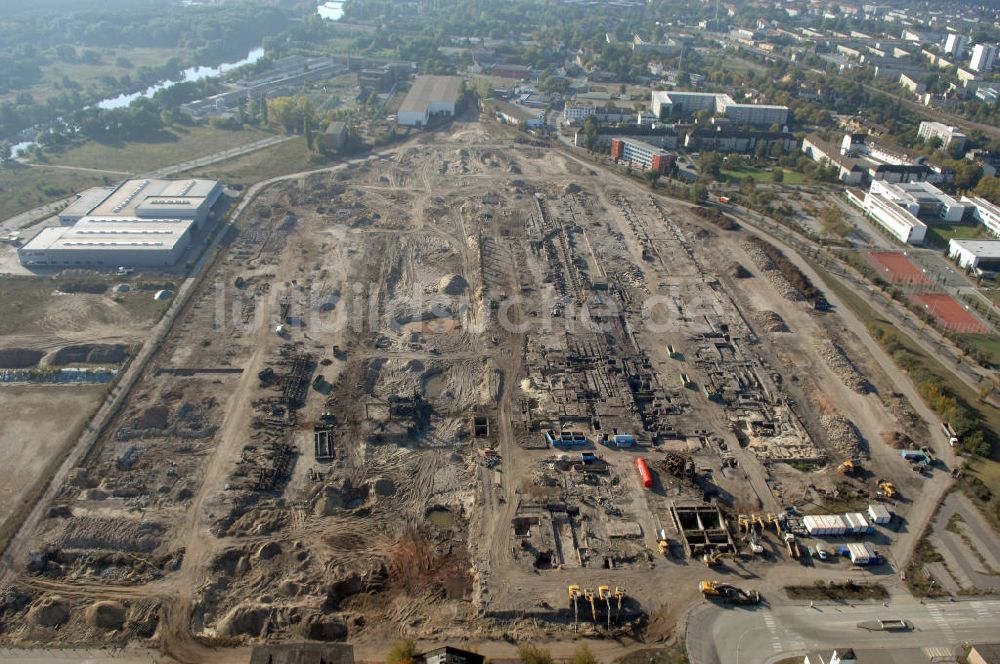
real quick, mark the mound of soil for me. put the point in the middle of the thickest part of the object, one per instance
(453, 284)
(105, 615)
(19, 358)
(91, 354)
(319, 627)
(49, 612)
(244, 621)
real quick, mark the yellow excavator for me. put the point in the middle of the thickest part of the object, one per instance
(728, 593)
(712, 558)
(588, 595)
(743, 522)
(619, 595)
(574, 596)
(604, 594)
(777, 523)
(755, 521)
(886, 489)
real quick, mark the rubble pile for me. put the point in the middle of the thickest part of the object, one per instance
(771, 322)
(837, 360)
(677, 464)
(843, 435)
(737, 271)
(772, 273)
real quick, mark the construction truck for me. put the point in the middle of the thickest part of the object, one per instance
(726, 592)
(792, 544)
(662, 543)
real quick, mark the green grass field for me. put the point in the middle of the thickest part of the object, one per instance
(89, 75)
(178, 145)
(741, 173)
(985, 343)
(938, 236)
(25, 187)
(288, 157)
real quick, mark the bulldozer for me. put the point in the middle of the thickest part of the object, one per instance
(726, 592)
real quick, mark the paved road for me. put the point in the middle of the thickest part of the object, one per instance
(968, 568)
(766, 634)
(43, 212)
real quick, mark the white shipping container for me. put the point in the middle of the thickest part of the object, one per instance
(879, 514)
(860, 553)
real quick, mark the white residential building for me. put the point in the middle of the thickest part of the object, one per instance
(948, 135)
(954, 44)
(983, 56)
(665, 103)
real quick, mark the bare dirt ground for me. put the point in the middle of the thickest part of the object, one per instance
(343, 436)
(44, 329)
(32, 433)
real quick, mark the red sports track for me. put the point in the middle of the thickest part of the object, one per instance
(950, 314)
(897, 268)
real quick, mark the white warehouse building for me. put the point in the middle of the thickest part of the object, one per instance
(979, 255)
(141, 223)
(429, 96)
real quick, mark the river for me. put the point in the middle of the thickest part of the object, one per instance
(189, 75)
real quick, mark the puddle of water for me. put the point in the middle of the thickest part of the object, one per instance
(442, 518)
(434, 385)
(435, 326)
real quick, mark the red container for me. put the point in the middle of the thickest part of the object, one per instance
(647, 478)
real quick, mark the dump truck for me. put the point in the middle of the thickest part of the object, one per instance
(726, 592)
(792, 544)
